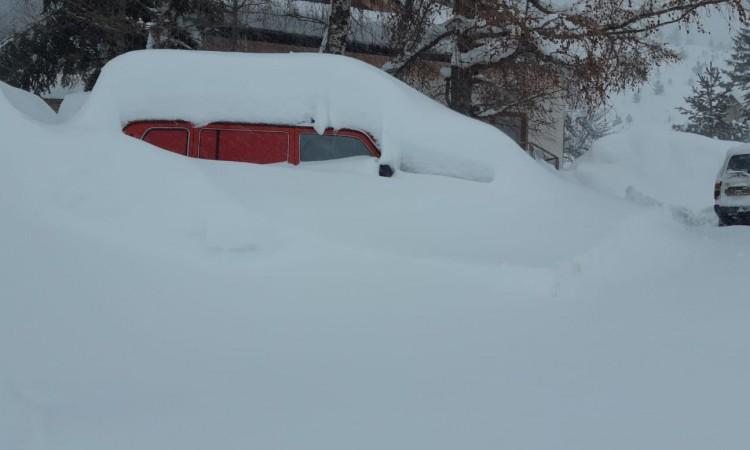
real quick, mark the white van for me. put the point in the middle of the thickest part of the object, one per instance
(732, 188)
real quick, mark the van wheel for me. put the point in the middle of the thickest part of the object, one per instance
(724, 222)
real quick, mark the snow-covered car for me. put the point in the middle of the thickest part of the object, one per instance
(732, 188)
(290, 109)
(256, 143)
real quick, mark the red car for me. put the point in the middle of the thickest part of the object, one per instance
(255, 143)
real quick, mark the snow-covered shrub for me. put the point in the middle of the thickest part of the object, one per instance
(582, 128)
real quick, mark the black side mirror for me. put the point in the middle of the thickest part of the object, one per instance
(385, 171)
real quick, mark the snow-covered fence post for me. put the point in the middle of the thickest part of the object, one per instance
(337, 31)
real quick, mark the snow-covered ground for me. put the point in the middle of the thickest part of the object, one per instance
(150, 301)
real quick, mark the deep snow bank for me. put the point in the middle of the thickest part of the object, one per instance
(153, 301)
(112, 188)
(414, 132)
(104, 183)
(677, 169)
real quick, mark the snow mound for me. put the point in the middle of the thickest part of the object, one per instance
(71, 104)
(414, 132)
(28, 104)
(674, 168)
(152, 301)
(740, 149)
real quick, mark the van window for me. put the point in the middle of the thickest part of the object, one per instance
(739, 163)
(172, 139)
(253, 146)
(314, 147)
(207, 140)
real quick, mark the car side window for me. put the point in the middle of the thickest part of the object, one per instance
(172, 139)
(315, 147)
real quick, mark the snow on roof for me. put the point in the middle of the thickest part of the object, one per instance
(414, 133)
(309, 18)
(738, 150)
(28, 104)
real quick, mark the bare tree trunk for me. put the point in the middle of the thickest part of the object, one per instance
(334, 39)
(235, 17)
(461, 81)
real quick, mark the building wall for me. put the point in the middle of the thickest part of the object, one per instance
(222, 44)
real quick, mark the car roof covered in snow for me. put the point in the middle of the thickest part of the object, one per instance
(414, 132)
(738, 150)
(741, 149)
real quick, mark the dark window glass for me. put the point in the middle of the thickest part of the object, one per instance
(314, 147)
(172, 139)
(740, 163)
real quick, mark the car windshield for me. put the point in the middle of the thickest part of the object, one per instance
(739, 163)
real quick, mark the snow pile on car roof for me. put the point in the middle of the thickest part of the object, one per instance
(414, 132)
(28, 104)
(740, 149)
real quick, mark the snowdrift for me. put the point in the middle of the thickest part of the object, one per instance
(28, 104)
(675, 168)
(414, 132)
(71, 104)
(152, 301)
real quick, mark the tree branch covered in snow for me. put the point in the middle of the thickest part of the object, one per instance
(708, 109)
(72, 39)
(588, 48)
